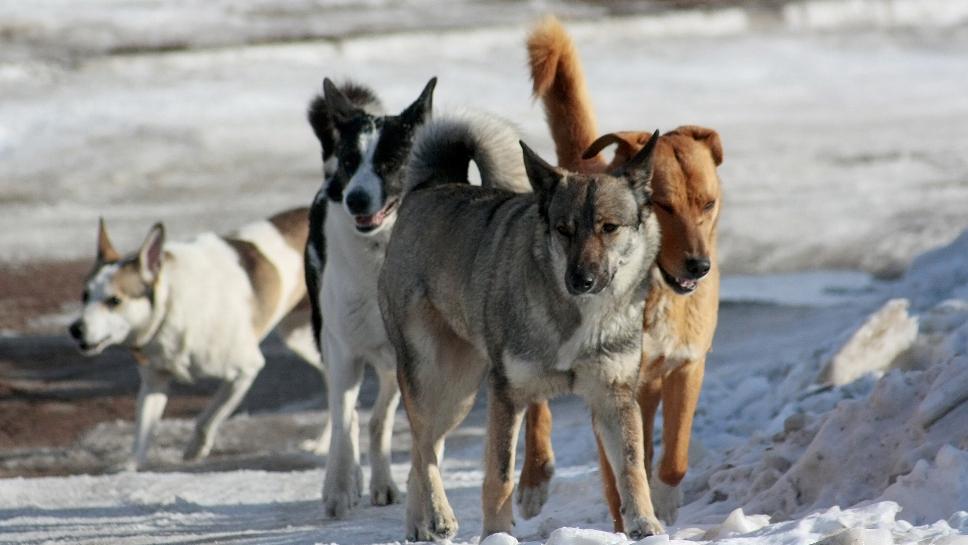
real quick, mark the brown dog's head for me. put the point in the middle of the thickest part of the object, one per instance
(686, 196)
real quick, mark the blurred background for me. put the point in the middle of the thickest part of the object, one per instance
(843, 122)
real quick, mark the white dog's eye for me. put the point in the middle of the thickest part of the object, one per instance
(112, 301)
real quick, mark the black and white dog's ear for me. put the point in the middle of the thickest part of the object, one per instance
(638, 171)
(544, 178)
(340, 107)
(105, 250)
(151, 253)
(420, 111)
(321, 120)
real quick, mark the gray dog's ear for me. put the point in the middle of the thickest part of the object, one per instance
(639, 169)
(544, 178)
(339, 106)
(105, 250)
(151, 253)
(420, 111)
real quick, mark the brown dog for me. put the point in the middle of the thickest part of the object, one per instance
(683, 302)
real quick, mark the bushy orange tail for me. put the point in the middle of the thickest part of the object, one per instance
(560, 84)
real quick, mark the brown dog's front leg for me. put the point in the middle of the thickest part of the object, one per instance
(680, 395)
(503, 424)
(539, 460)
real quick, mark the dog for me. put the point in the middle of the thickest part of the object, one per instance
(541, 293)
(198, 309)
(683, 303)
(364, 154)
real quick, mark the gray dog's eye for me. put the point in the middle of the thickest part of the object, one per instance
(112, 301)
(609, 227)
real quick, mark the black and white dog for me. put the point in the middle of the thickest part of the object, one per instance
(364, 157)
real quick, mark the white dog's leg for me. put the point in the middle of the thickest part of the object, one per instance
(226, 399)
(342, 487)
(297, 334)
(152, 398)
(383, 491)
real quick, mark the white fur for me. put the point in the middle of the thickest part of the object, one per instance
(365, 179)
(201, 326)
(287, 261)
(353, 334)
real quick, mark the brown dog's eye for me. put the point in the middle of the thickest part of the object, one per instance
(664, 207)
(709, 206)
(112, 301)
(609, 227)
(563, 230)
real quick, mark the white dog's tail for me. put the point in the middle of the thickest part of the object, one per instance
(444, 148)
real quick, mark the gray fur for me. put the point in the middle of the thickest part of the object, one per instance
(474, 286)
(444, 147)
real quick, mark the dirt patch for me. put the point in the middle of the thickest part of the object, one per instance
(32, 291)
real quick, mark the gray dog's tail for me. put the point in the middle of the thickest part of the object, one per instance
(444, 148)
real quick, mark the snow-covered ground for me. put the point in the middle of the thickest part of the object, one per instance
(834, 404)
(842, 121)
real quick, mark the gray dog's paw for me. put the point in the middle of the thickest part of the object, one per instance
(642, 527)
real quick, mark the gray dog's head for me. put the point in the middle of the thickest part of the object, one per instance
(119, 294)
(596, 223)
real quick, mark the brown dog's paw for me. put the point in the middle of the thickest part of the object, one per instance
(641, 527)
(533, 488)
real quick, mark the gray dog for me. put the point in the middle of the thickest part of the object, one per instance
(541, 293)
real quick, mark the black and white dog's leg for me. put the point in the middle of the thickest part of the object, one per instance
(383, 491)
(226, 400)
(342, 487)
(152, 398)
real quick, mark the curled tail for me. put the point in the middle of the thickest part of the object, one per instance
(444, 148)
(560, 84)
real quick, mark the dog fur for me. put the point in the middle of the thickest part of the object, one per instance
(364, 158)
(198, 309)
(682, 307)
(541, 293)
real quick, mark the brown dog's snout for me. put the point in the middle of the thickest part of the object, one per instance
(698, 267)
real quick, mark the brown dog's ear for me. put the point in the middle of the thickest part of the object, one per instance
(708, 137)
(627, 142)
(105, 250)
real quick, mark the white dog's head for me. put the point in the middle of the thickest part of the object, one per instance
(119, 295)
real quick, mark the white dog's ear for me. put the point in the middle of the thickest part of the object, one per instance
(151, 253)
(105, 250)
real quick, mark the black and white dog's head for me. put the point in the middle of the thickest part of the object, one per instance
(364, 151)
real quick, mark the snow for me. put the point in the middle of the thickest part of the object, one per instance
(834, 406)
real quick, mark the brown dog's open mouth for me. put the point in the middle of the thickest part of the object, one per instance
(367, 223)
(682, 286)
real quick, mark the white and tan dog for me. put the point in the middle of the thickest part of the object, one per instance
(198, 309)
